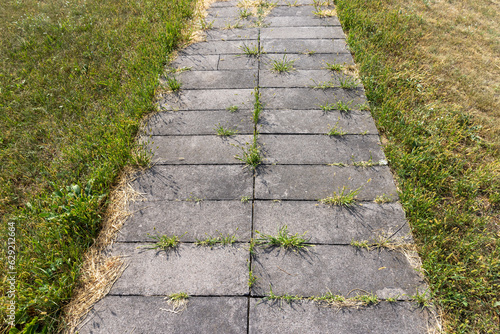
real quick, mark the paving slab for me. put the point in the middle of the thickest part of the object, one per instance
(232, 34)
(304, 46)
(313, 121)
(226, 11)
(235, 79)
(320, 149)
(195, 270)
(301, 33)
(198, 122)
(309, 98)
(317, 61)
(217, 47)
(187, 150)
(196, 62)
(304, 78)
(152, 315)
(300, 21)
(302, 11)
(307, 317)
(237, 62)
(229, 3)
(332, 224)
(189, 220)
(288, 182)
(338, 269)
(207, 99)
(209, 182)
(231, 23)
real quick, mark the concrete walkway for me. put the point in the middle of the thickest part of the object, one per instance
(198, 188)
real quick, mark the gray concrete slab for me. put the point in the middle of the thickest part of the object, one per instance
(189, 220)
(237, 62)
(226, 11)
(338, 269)
(332, 225)
(301, 11)
(198, 122)
(309, 98)
(318, 149)
(209, 99)
(235, 79)
(196, 62)
(303, 46)
(210, 182)
(153, 315)
(232, 34)
(301, 33)
(307, 317)
(317, 182)
(229, 3)
(188, 150)
(313, 121)
(195, 270)
(217, 47)
(231, 23)
(315, 61)
(300, 21)
(303, 78)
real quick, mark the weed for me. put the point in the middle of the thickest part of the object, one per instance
(173, 84)
(163, 242)
(325, 12)
(345, 197)
(339, 164)
(245, 199)
(221, 131)
(178, 296)
(292, 4)
(363, 107)
(251, 155)
(193, 198)
(207, 25)
(422, 298)
(221, 239)
(284, 65)
(232, 108)
(281, 298)
(309, 52)
(235, 25)
(251, 51)
(251, 277)
(178, 301)
(324, 85)
(380, 199)
(392, 299)
(327, 107)
(284, 240)
(244, 13)
(338, 301)
(257, 107)
(334, 67)
(360, 244)
(336, 131)
(348, 82)
(343, 107)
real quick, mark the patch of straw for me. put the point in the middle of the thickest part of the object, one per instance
(99, 271)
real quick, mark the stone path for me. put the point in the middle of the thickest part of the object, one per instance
(197, 188)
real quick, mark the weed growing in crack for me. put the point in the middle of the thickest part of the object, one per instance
(245, 199)
(348, 82)
(251, 155)
(284, 65)
(334, 67)
(232, 108)
(251, 51)
(257, 107)
(380, 199)
(422, 298)
(281, 298)
(336, 131)
(164, 242)
(324, 85)
(244, 13)
(235, 25)
(211, 241)
(283, 239)
(178, 301)
(343, 107)
(173, 84)
(221, 131)
(344, 197)
(360, 244)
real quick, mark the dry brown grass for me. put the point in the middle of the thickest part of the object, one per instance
(461, 50)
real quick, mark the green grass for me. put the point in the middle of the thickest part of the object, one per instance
(250, 50)
(250, 154)
(334, 67)
(232, 108)
(173, 84)
(435, 123)
(344, 197)
(75, 79)
(283, 239)
(336, 131)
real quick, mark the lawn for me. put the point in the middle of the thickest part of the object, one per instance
(76, 77)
